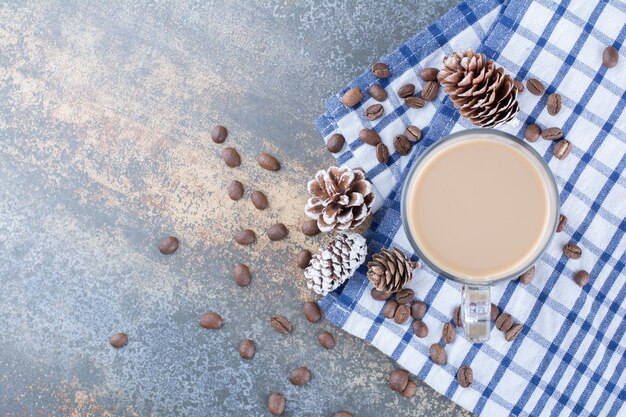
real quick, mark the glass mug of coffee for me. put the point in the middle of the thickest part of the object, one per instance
(479, 207)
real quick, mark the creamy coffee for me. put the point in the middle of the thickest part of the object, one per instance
(479, 207)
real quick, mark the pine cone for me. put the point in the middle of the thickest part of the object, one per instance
(483, 93)
(389, 270)
(342, 198)
(335, 262)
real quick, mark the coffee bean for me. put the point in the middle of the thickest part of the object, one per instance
(429, 74)
(430, 90)
(438, 354)
(527, 276)
(552, 133)
(343, 414)
(414, 102)
(335, 143)
(554, 104)
(405, 296)
(276, 403)
(312, 311)
(519, 86)
(418, 309)
(562, 149)
(380, 295)
(373, 112)
(413, 133)
(535, 87)
(382, 153)
(327, 340)
(495, 312)
(504, 322)
(231, 157)
(610, 56)
(352, 97)
(303, 258)
(420, 329)
(410, 390)
(562, 223)
(513, 332)
(380, 70)
(281, 324)
(242, 275)
(118, 340)
(219, 134)
(267, 161)
(277, 231)
(389, 310)
(377, 92)
(211, 321)
(168, 245)
(532, 132)
(448, 333)
(402, 145)
(402, 314)
(581, 278)
(235, 190)
(247, 349)
(398, 380)
(407, 90)
(369, 136)
(572, 251)
(259, 200)
(465, 376)
(300, 375)
(245, 237)
(456, 317)
(310, 228)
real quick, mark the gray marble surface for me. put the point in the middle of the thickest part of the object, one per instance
(105, 114)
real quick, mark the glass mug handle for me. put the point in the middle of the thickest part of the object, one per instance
(476, 312)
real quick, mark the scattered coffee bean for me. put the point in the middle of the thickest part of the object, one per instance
(327, 340)
(552, 133)
(276, 403)
(405, 296)
(402, 314)
(352, 97)
(335, 143)
(572, 251)
(267, 161)
(247, 349)
(495, 312)
(369, 136)
(562, 223)
(581, 278)
(410, 390)
(168, 245)
(414, 102)
(281, 324)
(610, 56)
(513, 332)
(377, 92)
(389, 310)
(373, 112)
(310, 228)
(413, 133)
(300, 375)
(245, 237)
(402, 145)
(562, 149)
(420, 329)
(532, 132)
(235, 190)
(242, 275)
(312, 311)
(118, 340)
(380, 295)
(211, 321)
(231, 157)
(259, 200)
(527, 276)
(277, 231)
(456, 317)
(504, 322)
(418, 309)
(380, 70)
(465, 376)
(438, 354)
(429, 74)
(407, 90)
(303, 258)
(398, 380)
(343, 414)
(448, 333)
(382, 153)
(519, 86)
(219, 134)
(554, 104)
(535, 87)
(430, 90)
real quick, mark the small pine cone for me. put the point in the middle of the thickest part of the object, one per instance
(389, 270)
(335, 262)
(341, 198)
(483, 93)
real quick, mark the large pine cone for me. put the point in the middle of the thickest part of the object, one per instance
(389, 270)
(335, 262)
(341, 198)
(483, 93)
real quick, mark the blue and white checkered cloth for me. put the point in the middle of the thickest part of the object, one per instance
(570, 356)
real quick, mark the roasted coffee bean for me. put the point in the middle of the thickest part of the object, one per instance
(495, 312)
(554, 104)
(245, 237)
(456, 317)
(382, 153)
(572, 251)
(465, 376)
(398, 380)
(535, 87)
(312, 311)
(300, 375)
(303, 258)
(310, 228)
(377, 92)
(448, 333)
(581, 278)
(405, 296)
(343, 414)
(389, 310)
(407, 90)
(610, 56)
(277, 231)
(414, 102)
(413, 133)
(235, 190)
(410, 390)
(276, 403)
(430, 90)
(527, 276)
(373, 112)
(219, 134)
(402, 314)
(247, 349)
(418, 309)
(552, 133)
(211, 321)
(513, 332)
(532, 133)
(242, 275)
(519, 86)
(231, 157)
(335, 143)
(562, 223)
(438, 354)
(118, 340)
(380, 295)
(168, 245)
(267, 161)
(420, 329)
(562, 149)
(352, 97)
(281, 324)
(259, 200)
(504, 322)
(369, 136)
(429, 74)
(380, 70)
(402, 145)
(327, 340)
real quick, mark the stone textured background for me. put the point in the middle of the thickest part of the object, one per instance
(105, 114)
